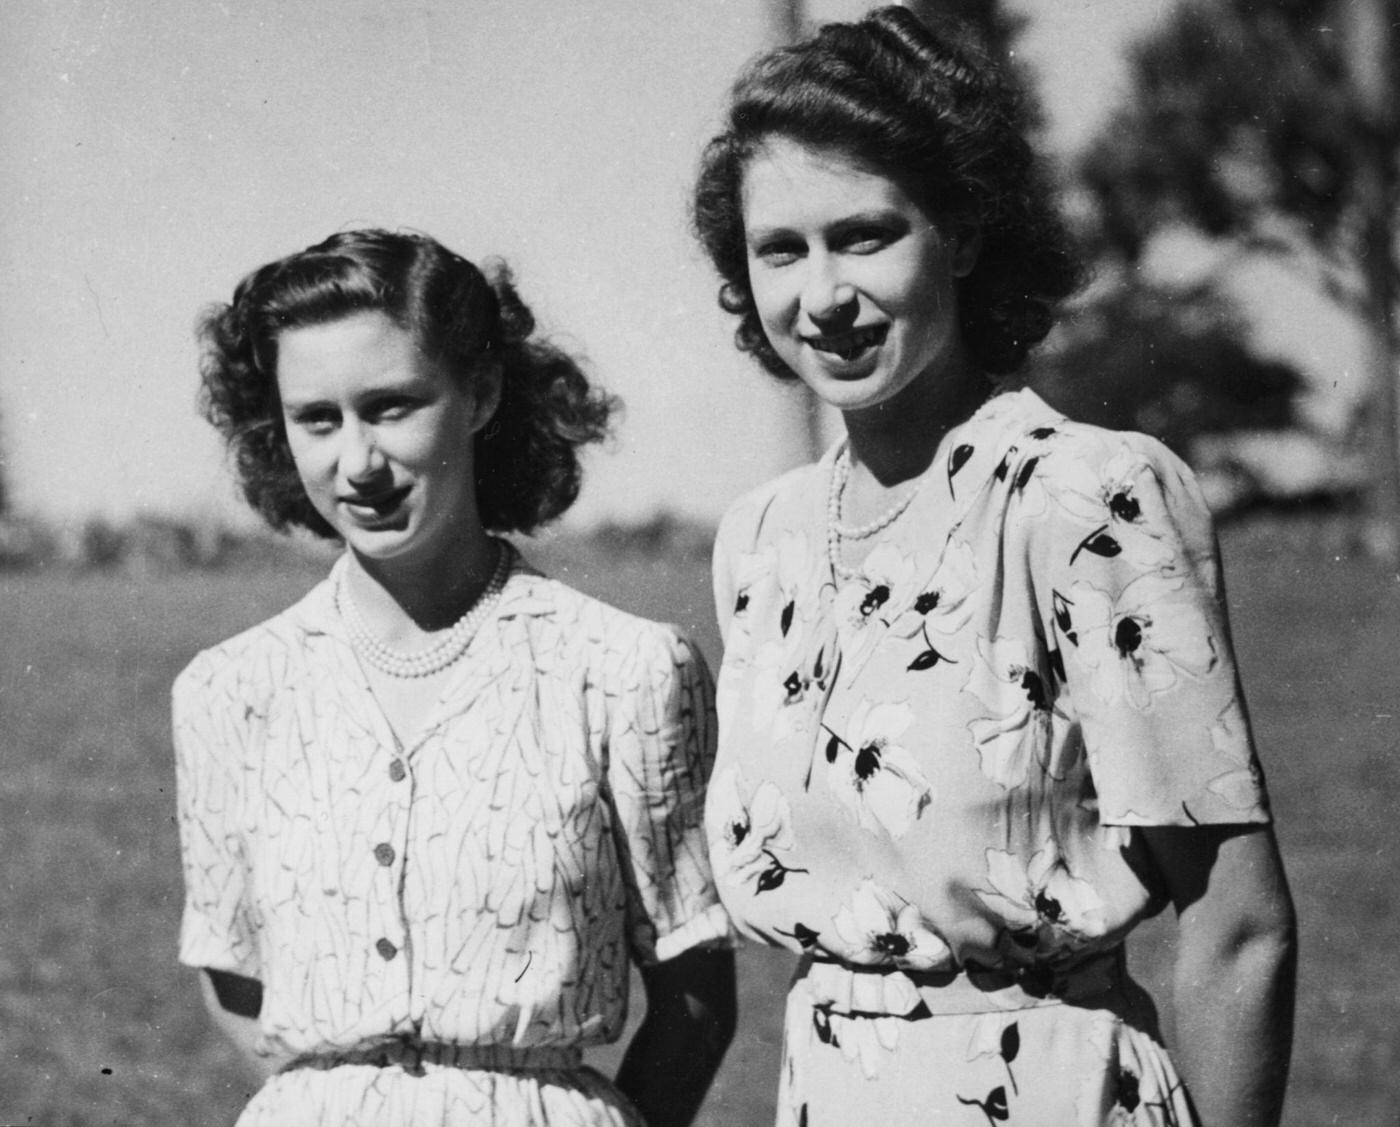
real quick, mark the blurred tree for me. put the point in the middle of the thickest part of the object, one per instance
(1174, 365)
(1272, 122)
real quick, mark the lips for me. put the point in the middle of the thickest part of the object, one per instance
(378, 504)
(849, 345)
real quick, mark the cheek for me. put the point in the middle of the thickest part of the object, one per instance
(310, 462)
(769, 298)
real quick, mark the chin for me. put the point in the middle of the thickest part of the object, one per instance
(379, 544)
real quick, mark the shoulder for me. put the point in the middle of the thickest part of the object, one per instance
(780, 502)
(247, 665)
(605, 640)
(1088, 500)
(1033, 433)
(1042, 453)
(1121, 470)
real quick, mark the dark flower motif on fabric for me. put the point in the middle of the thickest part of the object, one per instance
(943, 605)
(790, 676)
(956, 460)
(879, 927)
(1047, 910)
(997, 1035)
(1017, 727)
(994, 1105)
(1004, 466)
(886, 576)
(746, 829)
(1143, 642)
(1121, 503)
(872, 775)
(802, 935)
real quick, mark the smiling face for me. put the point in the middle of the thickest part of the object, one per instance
(854, 283)
(381, 436)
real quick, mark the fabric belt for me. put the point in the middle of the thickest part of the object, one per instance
(847, 989)
(413, 1056)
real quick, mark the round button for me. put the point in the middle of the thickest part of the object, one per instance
(386, 949)
(384, 853)
(397, 771)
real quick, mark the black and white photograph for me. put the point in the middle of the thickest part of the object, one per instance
(748, 563)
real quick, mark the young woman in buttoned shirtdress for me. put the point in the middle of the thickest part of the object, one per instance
(432, 813)
(979, 714)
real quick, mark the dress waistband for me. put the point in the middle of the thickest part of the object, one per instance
(846, 989)
(413, 1056)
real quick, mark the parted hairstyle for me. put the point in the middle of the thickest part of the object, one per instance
(927, 108)
(526, 463)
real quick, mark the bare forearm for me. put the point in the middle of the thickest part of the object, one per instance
(666, 1076)
(1235, 970)
(232, 1004)
(1235, 1030)
(678, 1048)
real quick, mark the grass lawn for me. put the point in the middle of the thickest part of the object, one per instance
(99, 1026)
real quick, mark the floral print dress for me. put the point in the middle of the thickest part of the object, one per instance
(931, 767)
(440, 927)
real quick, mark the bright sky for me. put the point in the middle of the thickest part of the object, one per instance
(153, 151)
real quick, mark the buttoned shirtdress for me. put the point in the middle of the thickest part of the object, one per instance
(439, 928)
(931, 772)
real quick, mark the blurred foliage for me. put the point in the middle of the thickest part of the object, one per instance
(144, 544)
(1172, 365)
(148, 543)
(1241, 111)
(1242, 122)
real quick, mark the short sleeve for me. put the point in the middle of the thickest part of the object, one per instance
(210, 733)
(660, 754)
(1127, 581)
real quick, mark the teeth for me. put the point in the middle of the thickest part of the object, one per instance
(850, 345)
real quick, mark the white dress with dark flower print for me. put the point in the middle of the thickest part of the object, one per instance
(929, 773)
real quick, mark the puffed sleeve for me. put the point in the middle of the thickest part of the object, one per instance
(733, 540)
(210, 731)
(1127, 580)
(736, 563)
(661, 751)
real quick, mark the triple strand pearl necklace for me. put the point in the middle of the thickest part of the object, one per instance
(836, 531)
(423, 663)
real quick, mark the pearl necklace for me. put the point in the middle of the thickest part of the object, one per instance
(423, 663)
(836, 531)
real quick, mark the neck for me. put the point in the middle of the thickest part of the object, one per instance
(405, 598)
(897, 440)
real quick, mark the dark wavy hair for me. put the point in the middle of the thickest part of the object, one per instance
(526, 465)
(926, 107)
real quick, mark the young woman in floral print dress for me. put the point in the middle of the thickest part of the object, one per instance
(979, 714)
(432, 813)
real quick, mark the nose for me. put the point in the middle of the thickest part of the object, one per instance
(829, 302)
(361, 460)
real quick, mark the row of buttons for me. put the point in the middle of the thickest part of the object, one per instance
(384, 854)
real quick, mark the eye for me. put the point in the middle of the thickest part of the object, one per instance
(391, 409)
(777, 251)
(866, 240)
(314, 420)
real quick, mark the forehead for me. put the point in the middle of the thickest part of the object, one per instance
(350, 351)
(787, 183)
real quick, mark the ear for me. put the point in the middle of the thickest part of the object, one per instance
(967, 245)
(486, 392)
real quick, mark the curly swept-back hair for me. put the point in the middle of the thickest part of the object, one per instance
(926, 107)
(526, 464)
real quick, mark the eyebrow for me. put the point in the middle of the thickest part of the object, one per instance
(875, 216)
